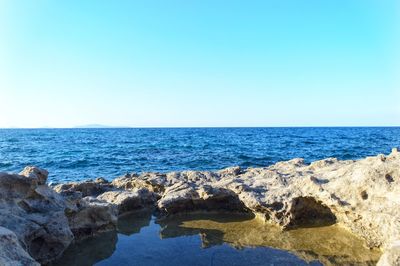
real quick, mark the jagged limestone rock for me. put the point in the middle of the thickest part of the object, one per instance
(37, 215)
(129, 200)
(362, 196)
(11, 252)
(391, 257)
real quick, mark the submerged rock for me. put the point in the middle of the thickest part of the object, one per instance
(330, 245)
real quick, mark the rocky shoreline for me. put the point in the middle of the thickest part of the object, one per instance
(39, 222)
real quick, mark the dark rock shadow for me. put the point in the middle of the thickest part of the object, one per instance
(308, 212)
(89, 251)
(132, 222)
(92, 250)
(217, 199)
(216, 216)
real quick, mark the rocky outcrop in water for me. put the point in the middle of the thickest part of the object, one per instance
(44, 221)
(361, 196)
(35, 213)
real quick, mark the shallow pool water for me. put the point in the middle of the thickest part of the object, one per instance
(217, 239)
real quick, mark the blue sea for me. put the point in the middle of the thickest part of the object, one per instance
(79, 154)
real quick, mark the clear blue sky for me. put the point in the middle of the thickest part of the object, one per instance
(200, 63)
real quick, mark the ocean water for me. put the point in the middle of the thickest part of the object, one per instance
(78, 154)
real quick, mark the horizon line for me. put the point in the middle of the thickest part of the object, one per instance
(168, 127)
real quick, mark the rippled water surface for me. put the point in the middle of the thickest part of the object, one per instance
(76, 154)
(217, 239)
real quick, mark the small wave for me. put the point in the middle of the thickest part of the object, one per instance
(244, 157)
(6, 164)
(307, 142)
(78, 154)
(75, 164)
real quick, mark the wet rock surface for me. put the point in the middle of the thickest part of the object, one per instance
(361, 196)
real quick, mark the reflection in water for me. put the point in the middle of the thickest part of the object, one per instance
(331, 245)
(89, 251)
(225, 239)
(131, 223)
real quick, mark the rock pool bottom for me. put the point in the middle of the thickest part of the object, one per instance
(217, 239)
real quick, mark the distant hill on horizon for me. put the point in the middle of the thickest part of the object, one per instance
(95, 126)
